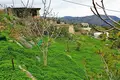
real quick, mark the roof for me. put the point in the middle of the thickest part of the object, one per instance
(24, 8)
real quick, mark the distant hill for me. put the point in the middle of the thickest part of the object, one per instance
(89, 19)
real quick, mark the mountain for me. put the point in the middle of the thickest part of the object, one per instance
(93, 19)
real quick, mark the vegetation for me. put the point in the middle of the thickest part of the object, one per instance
(76, 64)
(71, 57)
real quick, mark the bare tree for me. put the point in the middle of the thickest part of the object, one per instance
(51, 30)
(41, 28)
(110, 73)
(96, 12)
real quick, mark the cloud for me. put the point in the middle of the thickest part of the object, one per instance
(69, 9)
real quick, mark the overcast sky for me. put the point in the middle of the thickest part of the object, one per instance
(68, 9)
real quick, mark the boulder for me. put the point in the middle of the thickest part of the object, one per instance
(24, 42)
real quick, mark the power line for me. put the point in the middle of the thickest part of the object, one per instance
(77, 3)
(90, 6)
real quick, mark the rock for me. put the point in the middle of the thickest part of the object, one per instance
(11, 41)
(27, 73)
(69, 56)
(18, 44)
(38, 58)
(24, 42)
(31, 42)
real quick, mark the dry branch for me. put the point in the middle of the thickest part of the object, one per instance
(96, 12)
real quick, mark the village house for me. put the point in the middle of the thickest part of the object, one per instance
(85, 28)
(22, 12)
(85, 24)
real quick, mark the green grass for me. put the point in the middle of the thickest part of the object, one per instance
(62, 65)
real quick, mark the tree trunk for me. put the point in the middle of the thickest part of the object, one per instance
(12, 59)
(45, 57)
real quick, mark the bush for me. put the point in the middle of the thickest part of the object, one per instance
(3, 38)
(78, 44)
(116, 44)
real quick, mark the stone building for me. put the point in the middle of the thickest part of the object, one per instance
(22, 12)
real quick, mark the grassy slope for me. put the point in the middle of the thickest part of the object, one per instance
(87, 55)
(60, 66)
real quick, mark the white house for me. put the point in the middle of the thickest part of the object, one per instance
(86, 27)
(97, 34)
(85, 24)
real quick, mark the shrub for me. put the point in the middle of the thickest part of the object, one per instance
(78, 44)
(116, 44)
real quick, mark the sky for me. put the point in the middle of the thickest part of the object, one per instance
(62, 8)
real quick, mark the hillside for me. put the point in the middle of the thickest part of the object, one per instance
(75, 65)
(88, 19)
(69, 57)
